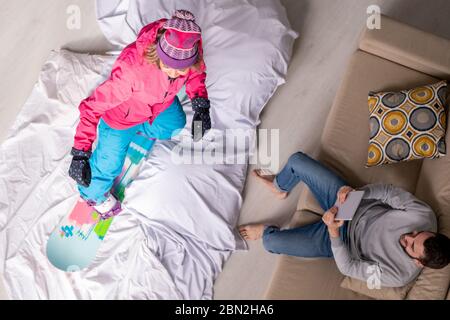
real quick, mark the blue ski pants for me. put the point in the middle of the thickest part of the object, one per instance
(109, 156)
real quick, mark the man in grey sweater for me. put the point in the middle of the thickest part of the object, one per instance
(391, 237)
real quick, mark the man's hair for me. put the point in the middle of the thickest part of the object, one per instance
(436, 252)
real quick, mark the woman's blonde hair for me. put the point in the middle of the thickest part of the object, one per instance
(152, 56)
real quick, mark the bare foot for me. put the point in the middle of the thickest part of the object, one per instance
(268, 181)
(252, 231)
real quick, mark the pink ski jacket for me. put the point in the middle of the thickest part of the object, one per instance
(136, 91)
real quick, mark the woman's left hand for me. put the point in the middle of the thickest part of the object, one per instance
(201, 122)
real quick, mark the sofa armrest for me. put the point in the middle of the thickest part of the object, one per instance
(408, 46)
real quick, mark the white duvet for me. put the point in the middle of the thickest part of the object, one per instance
(178, 223)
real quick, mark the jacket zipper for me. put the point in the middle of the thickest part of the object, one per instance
(167, 91)
(165, 94)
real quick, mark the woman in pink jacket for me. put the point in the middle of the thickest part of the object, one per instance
(140, 95)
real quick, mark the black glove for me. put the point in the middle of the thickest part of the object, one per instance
(80, 170)
(201, 122)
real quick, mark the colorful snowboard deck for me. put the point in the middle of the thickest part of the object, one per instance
(73, 244)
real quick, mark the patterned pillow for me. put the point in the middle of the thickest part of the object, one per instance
(407, 125)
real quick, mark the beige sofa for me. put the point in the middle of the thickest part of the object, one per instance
(395, 57)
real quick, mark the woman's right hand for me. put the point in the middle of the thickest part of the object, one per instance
(80, 170)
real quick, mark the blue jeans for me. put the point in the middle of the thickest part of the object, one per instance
(109, 156)
(311, 240)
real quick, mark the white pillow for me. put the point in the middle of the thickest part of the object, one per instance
(247, 47)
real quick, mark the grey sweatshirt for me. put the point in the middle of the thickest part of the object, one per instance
(372, 250)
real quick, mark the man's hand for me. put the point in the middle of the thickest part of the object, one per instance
(329, 219)
(343, 193)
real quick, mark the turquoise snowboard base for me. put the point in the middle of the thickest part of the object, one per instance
(73, 244)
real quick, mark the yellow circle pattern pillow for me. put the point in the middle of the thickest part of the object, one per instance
(407, 125)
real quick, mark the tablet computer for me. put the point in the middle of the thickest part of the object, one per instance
(347, 210)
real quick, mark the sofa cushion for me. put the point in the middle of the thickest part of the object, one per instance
(307, 278)
(407, 125)
(307, 201)
(346, 151)
(383, 293)
(304, 218)
(300, 278)
(431, 285)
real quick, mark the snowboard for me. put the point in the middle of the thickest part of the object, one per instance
(73, 244)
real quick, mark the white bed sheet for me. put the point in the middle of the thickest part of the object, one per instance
(178, 223)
